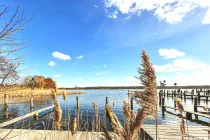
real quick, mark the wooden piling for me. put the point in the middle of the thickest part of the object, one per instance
(189, 116)
(132, 103)
(31, 104)
(195, 107)
(163, 107)
(77, 102)
(184, 96)
(199, 97)
(6, 100)
(106, 100)
(160, 98)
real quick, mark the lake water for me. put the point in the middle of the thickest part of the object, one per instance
(20, 106)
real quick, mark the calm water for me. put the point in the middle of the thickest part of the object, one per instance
(20, 107)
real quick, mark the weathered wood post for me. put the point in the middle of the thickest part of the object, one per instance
(195, 107)
(181, 94)
(163, 107)
(184, 96)
(31, 104)
(189, 116)
(167, 94)
(106, 100)
(132, 103)
(6, 106)
(199, 97)
(78, 111)
(172, 94)
(160, 98)
(207, 99)
(6, 100)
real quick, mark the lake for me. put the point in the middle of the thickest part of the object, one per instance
(21, 106)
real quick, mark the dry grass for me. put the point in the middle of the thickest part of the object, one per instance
(57, 112)
(36, 92)
(181, 110)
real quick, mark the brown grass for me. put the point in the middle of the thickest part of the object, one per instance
(36, 92)
(57, 112)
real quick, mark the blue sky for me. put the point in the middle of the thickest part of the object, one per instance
(98, 43)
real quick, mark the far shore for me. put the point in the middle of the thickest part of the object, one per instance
(36, 92)
(137, 87)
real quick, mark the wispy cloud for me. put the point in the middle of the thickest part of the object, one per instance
(113, 15)
(171, 11)
(80, 79)
(79, 57)
(105, 65)
(51, 63)
(96, 67)
(170, 53)
(61, 56)
(56, 75)
(101, 73)
(96, 6)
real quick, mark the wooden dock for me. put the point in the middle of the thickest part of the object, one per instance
(26, 134)
(172, 132)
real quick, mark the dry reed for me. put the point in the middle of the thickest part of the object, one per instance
(95, 106)
(57, 112)
(64, 96)
(74, 126)
(181, 110)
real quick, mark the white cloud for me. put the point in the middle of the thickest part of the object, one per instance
(206, 19)
(130, 78)
(56, 75)
(79, 57)
(180, 65)
(170, 53)
(171, 11)
(96, 67)
(80, 79)
(113, 15)
(51, 63)
(105, 65)
(101, 73)
(96, 6)
(61, 56)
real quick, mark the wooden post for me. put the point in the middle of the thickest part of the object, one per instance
(31, 104)
(184, 96)
(189, 116)
(199, 97)
(160, 98)
(6, 100)
(132, 103)
(106, 100)
(163, 107)
(167, 93)
(6, 106)
(77, 103)
(172, 93)
(207, 99)
(195, 104)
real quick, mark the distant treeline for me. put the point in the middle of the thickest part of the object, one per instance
(139, 87)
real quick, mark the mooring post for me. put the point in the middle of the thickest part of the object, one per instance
(6, 100)
(132, 103)
(6, 106)
(31, 104)
(189, 116)
(106, 100)
(163, 107)
(77, 102)
(160, 98)
(195, 104)
(199, 97)
(184, 96)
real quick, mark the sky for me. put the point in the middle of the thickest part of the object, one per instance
(99, 42)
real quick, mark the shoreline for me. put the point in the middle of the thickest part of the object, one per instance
(36, 92)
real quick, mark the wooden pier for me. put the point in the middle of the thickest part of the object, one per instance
(172, 132)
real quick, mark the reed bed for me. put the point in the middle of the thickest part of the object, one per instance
(36, 92)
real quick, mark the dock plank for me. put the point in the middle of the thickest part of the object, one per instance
(172, 132)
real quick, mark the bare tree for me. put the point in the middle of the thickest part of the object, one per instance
(11, 46)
